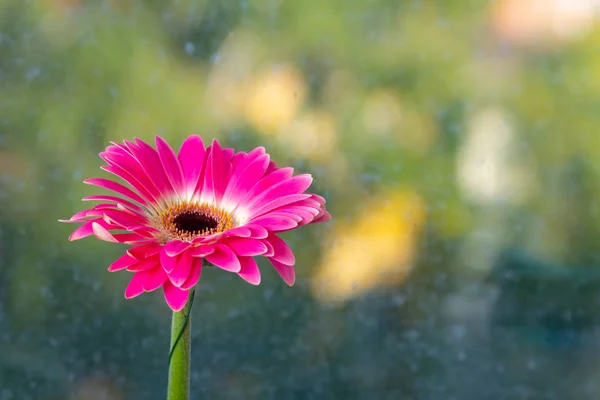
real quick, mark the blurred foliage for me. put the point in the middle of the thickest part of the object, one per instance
(446, 135)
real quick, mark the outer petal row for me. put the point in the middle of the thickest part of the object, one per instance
(153, 267)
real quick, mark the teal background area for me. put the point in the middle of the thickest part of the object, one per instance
(457, 144)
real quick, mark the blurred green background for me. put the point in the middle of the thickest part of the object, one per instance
(457, 143)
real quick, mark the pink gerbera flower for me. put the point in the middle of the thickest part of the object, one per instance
(201, 204)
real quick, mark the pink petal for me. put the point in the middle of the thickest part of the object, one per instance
(224, 258)
(303, 215)
(130, 238)
(257, 231)
(249, 270)
(320, 199)
(323, 218)
(101, 210)
(144, 251)
(135, 286)
(194, 276)
(270, 250)
(115, 187)
(237, 159)
(146, 231)
(290, 215)
(228, 152)
(201, 251)
(294, 185)
(276, 203)
(77, 218)
(282, 252)
(208, 239)
(144, 265)
(120, 208)
(240, 231)
(153, 279)
(287, 273)
(122, 262)
(242, 160)
(127, 222)
(127, 177)
(275, 222)
(170, 164)
(246, 246)
(310, 202)
(85, 230)
(267, 182)
(129, 165)
(117, 200)
(301, 210)
(168, 263)
(272, 167)
(205, 188)
(122, 217)
(150, 162)
(118, 148)
(175, 297)
(175, 247)
(192, 160)
(105, 206)
(244, 178)
(182, 270)
(216, 174)
(101, 233)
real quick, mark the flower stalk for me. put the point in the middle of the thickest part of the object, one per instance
(179, 356)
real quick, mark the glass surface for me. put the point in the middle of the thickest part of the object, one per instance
(457, 144)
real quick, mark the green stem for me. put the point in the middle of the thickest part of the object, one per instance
(179, 357)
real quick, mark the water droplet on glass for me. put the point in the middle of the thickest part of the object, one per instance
(189, 48)
(398, 300)
(33, 73)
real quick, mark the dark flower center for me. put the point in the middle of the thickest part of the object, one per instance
(187, 220)
(194, 222)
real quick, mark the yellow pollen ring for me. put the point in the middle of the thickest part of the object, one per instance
(186, 221)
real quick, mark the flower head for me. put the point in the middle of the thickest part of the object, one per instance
(204, 203)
